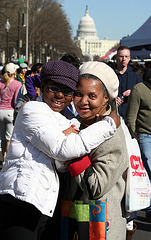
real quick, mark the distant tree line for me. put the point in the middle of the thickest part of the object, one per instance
(50, 33)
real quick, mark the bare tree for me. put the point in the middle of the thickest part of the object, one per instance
(49, 30)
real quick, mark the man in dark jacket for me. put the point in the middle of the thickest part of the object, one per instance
(127, 78)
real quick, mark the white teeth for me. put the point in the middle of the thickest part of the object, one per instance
(57, 102)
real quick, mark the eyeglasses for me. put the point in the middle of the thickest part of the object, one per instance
(55, 89)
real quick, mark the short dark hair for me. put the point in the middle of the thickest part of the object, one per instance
(122, 48)
(71, 58)
(35, 67)
(91, 76)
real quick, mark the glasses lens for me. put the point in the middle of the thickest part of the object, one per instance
(67, 92)
(55, 89)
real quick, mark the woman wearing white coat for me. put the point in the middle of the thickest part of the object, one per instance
(28, 181)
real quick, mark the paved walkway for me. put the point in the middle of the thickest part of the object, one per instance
(143, 231)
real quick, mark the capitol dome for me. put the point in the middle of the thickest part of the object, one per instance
(86, 27)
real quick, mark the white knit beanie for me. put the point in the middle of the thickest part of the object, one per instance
(105, 73)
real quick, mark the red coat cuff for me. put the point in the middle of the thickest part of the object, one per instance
(79, 166)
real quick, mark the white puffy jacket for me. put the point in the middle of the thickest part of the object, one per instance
(29, 172)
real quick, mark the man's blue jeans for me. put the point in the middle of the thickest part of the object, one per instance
(145, 147)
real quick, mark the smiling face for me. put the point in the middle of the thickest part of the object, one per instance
(90, 99)
(23, 70)
(57, 101)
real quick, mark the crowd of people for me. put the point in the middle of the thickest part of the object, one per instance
(13, 93)
(52, 115)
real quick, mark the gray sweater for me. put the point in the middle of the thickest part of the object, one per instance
(139, 109)
(107, 179)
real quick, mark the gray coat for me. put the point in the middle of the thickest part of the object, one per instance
(106, 179)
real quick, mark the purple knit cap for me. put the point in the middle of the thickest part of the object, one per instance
(60, 72)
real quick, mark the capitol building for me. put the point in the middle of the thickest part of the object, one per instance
(88, 40)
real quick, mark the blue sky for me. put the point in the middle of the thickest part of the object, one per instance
(113, 18)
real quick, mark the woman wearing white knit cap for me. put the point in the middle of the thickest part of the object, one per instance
(104, 173)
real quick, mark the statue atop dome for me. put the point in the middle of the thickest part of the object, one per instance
(86, 11)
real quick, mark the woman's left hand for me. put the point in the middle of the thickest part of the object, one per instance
(113, 115)
(70, 130)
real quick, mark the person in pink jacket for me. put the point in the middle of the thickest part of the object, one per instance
(9, 89)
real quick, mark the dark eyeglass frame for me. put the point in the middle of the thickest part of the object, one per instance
(56, 89)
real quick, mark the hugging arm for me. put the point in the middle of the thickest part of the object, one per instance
(106, 166)
(40, 128)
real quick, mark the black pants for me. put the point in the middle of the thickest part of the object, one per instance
(20, 220)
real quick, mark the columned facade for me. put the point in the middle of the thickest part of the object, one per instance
(88, 40)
